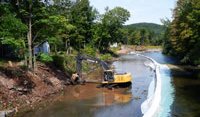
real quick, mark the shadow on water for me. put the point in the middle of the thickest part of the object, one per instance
(187, 97)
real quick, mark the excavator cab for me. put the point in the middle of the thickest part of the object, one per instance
(109, 75)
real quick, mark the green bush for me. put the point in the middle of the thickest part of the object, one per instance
(70, 63)
(59, 61)
(106, 57)
(89, 51)
(46, 58)
(65, 63)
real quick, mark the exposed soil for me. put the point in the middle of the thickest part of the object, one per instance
(20, 87)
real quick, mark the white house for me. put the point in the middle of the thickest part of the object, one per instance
(43, 47)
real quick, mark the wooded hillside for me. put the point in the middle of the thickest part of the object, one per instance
(145, 33)
(157, 28)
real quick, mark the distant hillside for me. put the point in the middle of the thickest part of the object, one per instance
(145, 33)
(156, 28)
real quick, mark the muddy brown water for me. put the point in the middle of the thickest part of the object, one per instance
(89, 101)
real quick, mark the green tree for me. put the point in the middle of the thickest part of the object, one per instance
(167, 44)
(12, 30)
(29, 12)
(82, 17)
(134, 38)
(109, 29)
(184, 31)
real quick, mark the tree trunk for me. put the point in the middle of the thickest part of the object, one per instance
(30, 59)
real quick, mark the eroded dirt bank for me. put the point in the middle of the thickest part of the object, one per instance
(20, 87)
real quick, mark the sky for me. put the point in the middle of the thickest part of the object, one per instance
(141, 10)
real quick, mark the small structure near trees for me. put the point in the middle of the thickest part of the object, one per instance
(43, 47)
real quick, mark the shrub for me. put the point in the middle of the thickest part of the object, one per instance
(45, 58)
(65, 63)
(59, 61)
(105, 57)
(89, 51)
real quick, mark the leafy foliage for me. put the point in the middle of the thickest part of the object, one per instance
(45, 58)
(184, 36)
(65, 63)
(109, 29)
(65, 24)
(106, 57)
(12, 31)
(89, 50)
(82, 18)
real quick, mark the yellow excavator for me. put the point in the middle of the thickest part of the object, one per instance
(110, 78)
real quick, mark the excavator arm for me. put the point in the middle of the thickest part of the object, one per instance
(81, 57)
(110, 77)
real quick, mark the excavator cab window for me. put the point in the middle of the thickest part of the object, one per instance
(108, 76)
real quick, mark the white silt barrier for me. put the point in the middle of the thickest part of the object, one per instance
(150, 107)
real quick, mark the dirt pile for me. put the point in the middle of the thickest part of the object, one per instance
(20, 87)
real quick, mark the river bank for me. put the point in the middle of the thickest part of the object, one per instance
(20, 88)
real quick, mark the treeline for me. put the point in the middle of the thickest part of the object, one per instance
(182, 38)
(145, 34)
(63, 23)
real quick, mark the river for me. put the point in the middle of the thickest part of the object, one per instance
(89, 101)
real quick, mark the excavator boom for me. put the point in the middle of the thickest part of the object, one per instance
(88, 58)
(109, 76)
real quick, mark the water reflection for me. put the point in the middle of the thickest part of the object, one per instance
(107, 98)
(187, 97)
